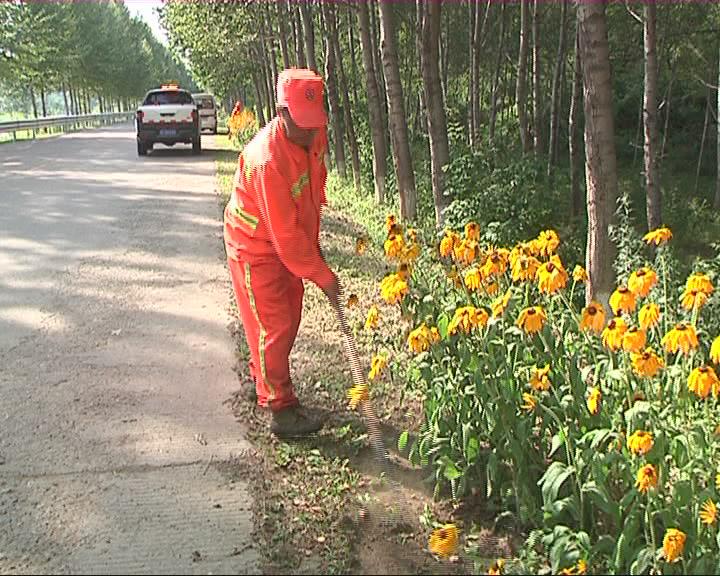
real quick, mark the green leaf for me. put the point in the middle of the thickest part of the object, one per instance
(553, 479)
(403, 440)
(442, 325)
(450, 471)
(558, 440)
(643, 559)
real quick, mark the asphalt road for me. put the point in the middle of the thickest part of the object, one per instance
(114, 362)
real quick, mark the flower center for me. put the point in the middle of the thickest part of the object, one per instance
(681, 327)
(623, 290)
(531, 311)
(612, 325)
(443, 534)
(703, 369)
(592, 310)
(550, 267)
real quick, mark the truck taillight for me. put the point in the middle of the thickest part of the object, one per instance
(140, 115)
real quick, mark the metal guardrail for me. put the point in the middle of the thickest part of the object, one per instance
(63, 122)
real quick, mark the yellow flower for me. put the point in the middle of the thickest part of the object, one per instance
(580, 274)
(394, 246)
(715, 350)
(390, 222)
(422, 338)
(404, 271)
(358, 394)
(360, 246)
(378, 364)
(641, 281)
(640, 443)
(579, 568)
(467, 318)
(532, 319)
(473, 278)
(373, 318)
(594, 401)
(593, 317)
(702, 380)
(393, 288)
(673, 544)
(551, 276)
(708, 514)
(529, 402)
(490, 288)
(496, 262)
(352, 301)
(634, 340)
(547, 242)
(465, 251)
(444, 541)
(647, 363)
(693, 299)
(658, 236)
(647, 478)
(524, 268)
(622, 300)
(649, 315)
(521, 249)
(700, 282)
(448, 243)
(472, 231)
(613, 334)
(539, 379)
(682, 337)
(412, 235)
(454, 277)
(496, 568)
(499, 305)
(410, 253)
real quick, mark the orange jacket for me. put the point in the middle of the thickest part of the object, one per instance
(274, 209)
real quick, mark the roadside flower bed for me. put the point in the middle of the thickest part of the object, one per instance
(596, 428)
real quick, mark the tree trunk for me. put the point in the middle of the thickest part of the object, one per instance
(576, 195)
(353, 55)
(374, 106)
(65, 100)
(600, 159)
(558, 74)
(260, 104)
(309, 33)
(282, 19)
(471, 74)
(652, 181)
(437, 122)
(702, 143)
(401, 146)
(299, 39)
(667, 118)
(34, 104)
(268, 88)
(521, 85)
(444, 61)
(716, 204)
(477, 43)
(496, 78)
(537, 104)
(42, 101)
(347, 106)
(333, 99)
(380, 77)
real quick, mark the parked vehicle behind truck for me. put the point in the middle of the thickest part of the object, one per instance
(169, 116)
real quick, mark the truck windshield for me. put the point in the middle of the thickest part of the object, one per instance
(176, 97)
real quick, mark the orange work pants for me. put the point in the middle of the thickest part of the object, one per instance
(269, 299)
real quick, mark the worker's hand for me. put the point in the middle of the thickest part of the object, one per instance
(333, 292)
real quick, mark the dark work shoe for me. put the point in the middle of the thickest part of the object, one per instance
(292, 422)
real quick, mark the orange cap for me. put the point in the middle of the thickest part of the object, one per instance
(301, 91)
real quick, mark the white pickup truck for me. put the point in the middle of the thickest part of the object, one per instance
(168, 115)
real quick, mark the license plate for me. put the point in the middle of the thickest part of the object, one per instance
(167, 132)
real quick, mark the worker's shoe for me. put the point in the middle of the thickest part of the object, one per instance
(292, 422)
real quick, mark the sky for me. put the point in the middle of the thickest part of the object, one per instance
(146, 10)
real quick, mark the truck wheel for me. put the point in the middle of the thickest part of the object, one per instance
(142, 150)
(196, 145)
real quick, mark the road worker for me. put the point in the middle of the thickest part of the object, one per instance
(272, 224)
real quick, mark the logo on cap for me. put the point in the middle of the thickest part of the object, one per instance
(310, 94)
